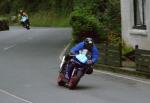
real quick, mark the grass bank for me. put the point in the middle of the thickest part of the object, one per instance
(48, 19)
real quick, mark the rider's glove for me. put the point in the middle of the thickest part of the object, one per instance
(89, 70)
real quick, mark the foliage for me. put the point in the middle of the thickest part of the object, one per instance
(4, 23)
(96, 18)
(114, 38)
(126, 48)
(62, 7)
(49, 19)
(111, 18)
(5, 6)
(84, 24)
(84, 20)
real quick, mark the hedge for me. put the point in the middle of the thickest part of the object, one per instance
(4, 24)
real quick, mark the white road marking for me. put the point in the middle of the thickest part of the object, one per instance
(123, 76)
(9, 47)
(14, 96)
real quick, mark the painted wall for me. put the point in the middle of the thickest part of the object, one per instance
(134, 36)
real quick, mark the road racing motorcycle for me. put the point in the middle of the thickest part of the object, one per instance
(78, 63)
(25, 22)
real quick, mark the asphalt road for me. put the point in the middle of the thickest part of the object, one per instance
(29, 64)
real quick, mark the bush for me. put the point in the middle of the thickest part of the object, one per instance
(114, 38)
(84, 25)
(111, 19)
(4, 24)
(126, 48)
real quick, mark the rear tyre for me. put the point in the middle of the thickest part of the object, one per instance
(60, 80)
(27, 27)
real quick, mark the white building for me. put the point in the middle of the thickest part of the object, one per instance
(136, 23)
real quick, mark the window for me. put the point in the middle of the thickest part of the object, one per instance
(139, 14)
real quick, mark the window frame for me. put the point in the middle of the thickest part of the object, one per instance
(143, 25)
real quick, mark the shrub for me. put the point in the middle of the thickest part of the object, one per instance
(85, 24)
(114, 38)
(126, 48)
(111, 19)
(4, 25)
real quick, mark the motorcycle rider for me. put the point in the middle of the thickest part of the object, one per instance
(21, 14)
(93, 51)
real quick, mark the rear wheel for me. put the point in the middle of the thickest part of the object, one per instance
(27, 26)
(60, 80)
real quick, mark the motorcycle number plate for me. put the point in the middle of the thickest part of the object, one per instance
(24, 19)
(82, 58)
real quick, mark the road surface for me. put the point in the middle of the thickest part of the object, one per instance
(29, 64)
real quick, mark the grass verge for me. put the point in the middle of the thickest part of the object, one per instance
(48, 19)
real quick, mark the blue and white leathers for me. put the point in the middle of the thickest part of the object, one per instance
(23, 18)
(82, 58)
(94, 51)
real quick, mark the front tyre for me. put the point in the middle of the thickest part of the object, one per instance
(73, 82)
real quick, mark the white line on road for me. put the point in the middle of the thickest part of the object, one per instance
(11, 46)
(21, 99)
(123, 76)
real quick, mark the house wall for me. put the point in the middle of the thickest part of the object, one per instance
(132, 36)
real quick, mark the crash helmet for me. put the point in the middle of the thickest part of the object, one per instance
(88, 42)
(21, 11)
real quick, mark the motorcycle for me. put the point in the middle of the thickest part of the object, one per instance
(25, 22)
(78, 63)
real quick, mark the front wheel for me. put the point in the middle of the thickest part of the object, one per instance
(73, 82)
